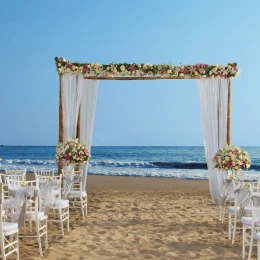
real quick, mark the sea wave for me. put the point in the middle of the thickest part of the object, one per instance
(120, 164)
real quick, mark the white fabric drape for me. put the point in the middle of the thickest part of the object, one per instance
(213, 109)
(87, 116)
(71, 98)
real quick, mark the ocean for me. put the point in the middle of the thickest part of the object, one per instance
(146, 161)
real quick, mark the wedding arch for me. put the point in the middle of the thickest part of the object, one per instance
(78, 94)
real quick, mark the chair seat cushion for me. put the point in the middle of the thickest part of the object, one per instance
(31, 214)
(232, 209)
(230, 198)
(7, 226)
(62, 202)
(57, 203)
(257, 236)
(76, 193)
(248, 221)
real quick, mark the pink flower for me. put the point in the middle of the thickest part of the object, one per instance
(68, 64)
(66, 156)
(85, 68)
(132, 67)
(230, 163)
(86, 151)
(244, 162)
(185, 70)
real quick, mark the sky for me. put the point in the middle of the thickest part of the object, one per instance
(140, 113)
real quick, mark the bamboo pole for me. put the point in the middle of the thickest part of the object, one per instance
(78, 126)
(78, 135)
(229, 112)
(60, 119)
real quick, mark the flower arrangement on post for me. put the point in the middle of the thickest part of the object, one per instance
(231, 158)
(71, 152)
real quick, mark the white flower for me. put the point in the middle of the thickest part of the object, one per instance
(195, 73)
(169, 71)
(181, 74)
(139, 65)
(122, 67)
(63, 59)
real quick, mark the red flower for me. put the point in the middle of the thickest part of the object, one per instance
(68, 64)
(85, 68)
(229, 163)
(185, 70)
(244, 162)
(132, 67)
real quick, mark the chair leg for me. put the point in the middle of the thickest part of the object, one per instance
(39, 238)
(229, 226)
(234, 229)
(61, 222)
(68, 219)
(17, 246)
(10, 241)
(258, 250)
(243, 243)
(3, 248)
(251, 242)
(223, 212)
(46, 234)
(220, 213)
(86, 205)
(82, 208)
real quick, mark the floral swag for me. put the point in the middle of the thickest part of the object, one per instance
(71, 152)
(146, 70)
(232, 158)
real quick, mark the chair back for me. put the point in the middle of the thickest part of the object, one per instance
(50, 192)
(72, 182)
(44, 172)
(14, 175)
(9, 172)
(1, 210)
(46, 178)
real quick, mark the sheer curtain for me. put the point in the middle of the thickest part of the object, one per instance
(213, 108)
(87, 116)
(71, 98)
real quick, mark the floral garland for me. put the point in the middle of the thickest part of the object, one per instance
(147, 70)
(231, 157)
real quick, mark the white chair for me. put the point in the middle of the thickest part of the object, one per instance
(251, 226)
(33, 215)
(8, 233)
(227, 198)
(15, 172)
(59, 206)
(46, 176)
(242, 200)
(76, 192)
(44, 172)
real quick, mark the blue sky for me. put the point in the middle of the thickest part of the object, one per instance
(164, 112)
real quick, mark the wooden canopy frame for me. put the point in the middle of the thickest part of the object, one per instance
(154, 77)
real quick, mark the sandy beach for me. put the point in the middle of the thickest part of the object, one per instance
(141, 218)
